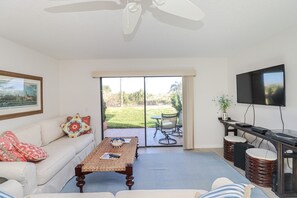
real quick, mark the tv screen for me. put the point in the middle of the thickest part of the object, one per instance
(264, 86)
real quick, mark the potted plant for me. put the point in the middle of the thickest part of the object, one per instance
(224, 102)
(176, 102)
(104, 116)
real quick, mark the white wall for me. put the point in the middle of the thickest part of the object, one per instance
(281, 49)
(80, 93)
(16, 58)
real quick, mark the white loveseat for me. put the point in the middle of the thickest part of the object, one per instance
(49, 175)
(13, 188)
(169, 193)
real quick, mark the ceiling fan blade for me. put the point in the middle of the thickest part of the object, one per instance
(85, 6)
(181, 8)
(131, 16)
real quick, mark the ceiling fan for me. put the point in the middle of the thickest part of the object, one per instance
(181, 8)
(133, 10)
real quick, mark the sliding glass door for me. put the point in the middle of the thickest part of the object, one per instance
(163, 96)
(133, 107)
(123, 105)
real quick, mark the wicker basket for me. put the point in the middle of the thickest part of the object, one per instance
(258, 169)
(229, 142)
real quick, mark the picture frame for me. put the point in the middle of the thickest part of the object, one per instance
(20, 95)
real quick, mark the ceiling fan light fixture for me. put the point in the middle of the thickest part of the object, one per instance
(131, 15)
(134, 7)
(159, 2)
(181, 8)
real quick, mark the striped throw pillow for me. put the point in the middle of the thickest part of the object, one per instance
(226, 191)
(5, 195)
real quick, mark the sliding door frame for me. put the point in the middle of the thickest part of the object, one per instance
(144, 109)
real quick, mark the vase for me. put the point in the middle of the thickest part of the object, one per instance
(225, 116)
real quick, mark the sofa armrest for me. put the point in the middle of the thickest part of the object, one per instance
(23, 172)
(220, 182)
(12, 187)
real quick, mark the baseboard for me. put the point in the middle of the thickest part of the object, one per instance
(208, 146)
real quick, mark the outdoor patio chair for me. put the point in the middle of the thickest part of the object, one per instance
(168, 126)
(179, 131)
(179, 127)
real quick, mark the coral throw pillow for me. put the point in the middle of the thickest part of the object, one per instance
(75, 127)
(31, 152)
(8, 152)
(11, 136)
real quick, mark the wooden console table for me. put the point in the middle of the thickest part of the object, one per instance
(281, 147)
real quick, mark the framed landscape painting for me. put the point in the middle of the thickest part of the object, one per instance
(20, 95)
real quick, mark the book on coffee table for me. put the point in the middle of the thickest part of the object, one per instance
(110, 156)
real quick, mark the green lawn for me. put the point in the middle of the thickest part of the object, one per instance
(133, 117)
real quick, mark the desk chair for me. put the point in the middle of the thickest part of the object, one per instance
(168, 126)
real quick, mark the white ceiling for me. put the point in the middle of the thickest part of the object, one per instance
(88, 29)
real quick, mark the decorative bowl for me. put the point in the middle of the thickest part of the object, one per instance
(117, 142)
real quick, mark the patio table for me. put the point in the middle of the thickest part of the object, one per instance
(158, 126)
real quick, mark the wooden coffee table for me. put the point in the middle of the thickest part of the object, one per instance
(123, 165)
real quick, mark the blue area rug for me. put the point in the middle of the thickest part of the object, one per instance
(185, 170)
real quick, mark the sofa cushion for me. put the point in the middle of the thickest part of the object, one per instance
(168, 193)
(8, 152)
(58, 157)
(73, 195)
(29, 134)
(31, 152)
(75, 127)
(78, 143)
(51, 130)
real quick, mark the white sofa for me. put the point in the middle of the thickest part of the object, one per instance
(172, 193)
(49, 175)
(13, 188)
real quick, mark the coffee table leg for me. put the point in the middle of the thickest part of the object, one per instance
(80, 178)
(129, 177)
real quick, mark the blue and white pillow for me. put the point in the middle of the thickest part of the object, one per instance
(226, 191)
(5, 195)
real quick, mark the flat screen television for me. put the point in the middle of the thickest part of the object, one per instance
(263, 87)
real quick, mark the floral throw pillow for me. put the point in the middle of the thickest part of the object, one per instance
(75, 127)
(8, 152)
(31, 152)
(87, 120)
